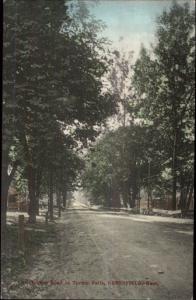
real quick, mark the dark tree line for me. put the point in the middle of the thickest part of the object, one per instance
(52, 96)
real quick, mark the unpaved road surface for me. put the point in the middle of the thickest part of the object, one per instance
(92, 249)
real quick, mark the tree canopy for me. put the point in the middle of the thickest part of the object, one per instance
(160, 103)
(53, 63)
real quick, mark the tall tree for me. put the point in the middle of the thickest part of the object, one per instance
(165, 86)
(113, 173)
(52, 74)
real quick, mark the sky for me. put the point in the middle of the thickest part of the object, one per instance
(134, 20)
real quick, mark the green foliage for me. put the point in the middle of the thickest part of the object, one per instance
(54, 103)
(120, 160)
(119, 77)
(53, 65)
(160, 99)
(165, 88)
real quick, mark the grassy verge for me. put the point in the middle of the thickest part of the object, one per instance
(14, 261)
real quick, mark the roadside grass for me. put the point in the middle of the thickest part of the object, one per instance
(15, 261)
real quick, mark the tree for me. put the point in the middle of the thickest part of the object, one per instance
(165, 87)
(52, 74)
(119, 78)
(113, 173)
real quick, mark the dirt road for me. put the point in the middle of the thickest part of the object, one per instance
(105, 255)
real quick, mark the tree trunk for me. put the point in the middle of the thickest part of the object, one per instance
(125, 198)
(32, 196)
(37, 204)
(133, 182)
(6, 181)
(115, 198)
(190, 196)
(110, 194)
(59, 202)
(182, 193)
(64, 198)
(51, 215)
(126, 193)
(37, 193)
(174, 191)
(174, 175)
(30, 177)
(4, 196)
(131, 204)
(134, 196)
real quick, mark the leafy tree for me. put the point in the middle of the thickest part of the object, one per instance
(165, 87)
(52, 74)
(119, 78)
(113, 173)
